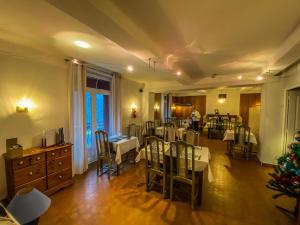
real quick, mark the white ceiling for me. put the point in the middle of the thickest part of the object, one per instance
(197, 37)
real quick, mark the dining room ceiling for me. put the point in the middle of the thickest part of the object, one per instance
(203, 39)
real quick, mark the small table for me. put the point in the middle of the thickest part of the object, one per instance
(229, 137)
(159, 131)
(202, 158)
(124, 146)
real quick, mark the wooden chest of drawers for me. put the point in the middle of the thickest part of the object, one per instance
(48, 169)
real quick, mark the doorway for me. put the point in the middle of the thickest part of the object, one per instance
(292, 122)
(97, 118)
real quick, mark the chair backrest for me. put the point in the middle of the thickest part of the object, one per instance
(155, 153)
(190, 137)
(150, 128)
(157, 123)
(167, 120)
(165, 130)
(242, 134)
(180, 123)
(103, 149)
(193, 137)
(132, 130)
(171, 134)
(226, 124)
(184, 155)
(212, 123)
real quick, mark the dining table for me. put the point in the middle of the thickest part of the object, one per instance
(229, 138)
(159, 131)
(202, 162)
(124, 145)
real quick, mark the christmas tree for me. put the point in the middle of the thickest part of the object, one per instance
(286, 177)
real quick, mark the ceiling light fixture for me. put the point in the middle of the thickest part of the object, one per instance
(75, 61)
(240, 77)
(82, 44)
(259, 77)
(130, 68)
(178, 73)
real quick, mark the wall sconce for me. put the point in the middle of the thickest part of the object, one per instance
(133, 110)
(24, 105)
(222, 98)
(156, 107)
(173, 107)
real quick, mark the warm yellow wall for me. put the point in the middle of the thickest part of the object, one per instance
(130, 94)
(46, 85)
(231, 105)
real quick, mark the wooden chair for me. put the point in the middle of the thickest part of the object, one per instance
(133, 130)
(193, 137)
(157, 123)
(150, 128)
(212, 128)
(155, 161)
(167, 120)
(180, 169)
(104, 160)
(171, 131)
(242, 140)
(165, 130)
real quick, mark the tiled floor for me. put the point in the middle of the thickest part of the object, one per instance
(237, 196)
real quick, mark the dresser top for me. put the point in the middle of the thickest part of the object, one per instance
(32, 151)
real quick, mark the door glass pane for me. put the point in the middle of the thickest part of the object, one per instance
(99, 112)
(89, 120)
(97, 118)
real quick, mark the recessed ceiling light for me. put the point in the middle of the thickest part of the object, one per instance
(259, 77)
(202, 91)
(82, 44)
(240, 77)
(130, 68)
(178, 73)
(75, 61)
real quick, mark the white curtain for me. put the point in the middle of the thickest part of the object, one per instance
(77, 85)
(116, 104)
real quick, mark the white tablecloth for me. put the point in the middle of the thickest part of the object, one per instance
(229, 136)
(123, 146)
(180, 132)
(159, 131)
(202, 158)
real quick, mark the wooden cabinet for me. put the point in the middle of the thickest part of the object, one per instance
(47, 169)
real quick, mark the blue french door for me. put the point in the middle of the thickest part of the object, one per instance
(97, 118)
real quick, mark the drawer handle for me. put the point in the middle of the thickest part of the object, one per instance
(66, 150)
(21, 163)
(53, 153)
(60, 163)
(60, 176)
(30, 173)
(38, 158)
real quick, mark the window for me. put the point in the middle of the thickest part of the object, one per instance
(98, 108)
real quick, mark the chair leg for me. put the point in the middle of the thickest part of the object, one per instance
(171, 189)
(118, 169)
(193, 196)
(164, 185)
(98, 167)
(108, 170)
(147, 181)
(247, 153)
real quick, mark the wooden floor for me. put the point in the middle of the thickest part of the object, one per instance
(237, 196)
